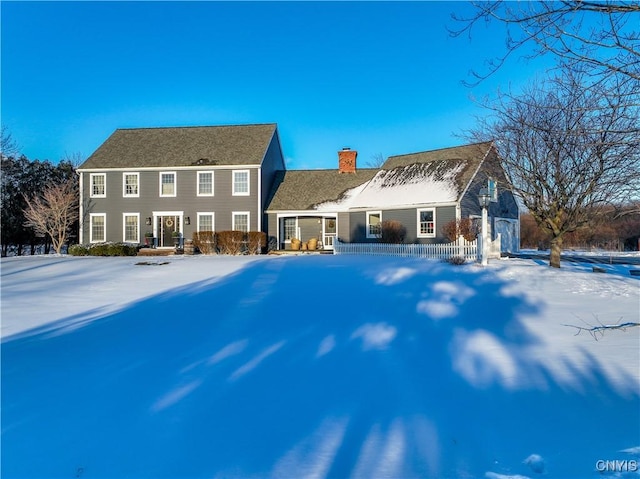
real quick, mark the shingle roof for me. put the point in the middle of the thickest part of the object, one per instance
(433, 176)
(465, 159)
(305, 189)
(183, 146)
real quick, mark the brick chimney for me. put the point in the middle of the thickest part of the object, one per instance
(347, 160)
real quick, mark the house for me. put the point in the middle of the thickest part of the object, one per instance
(175, 181)
(308, 204)
(168, 182)
(423, 191)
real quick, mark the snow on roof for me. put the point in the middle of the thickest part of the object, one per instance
(414, 184)
(343, 203)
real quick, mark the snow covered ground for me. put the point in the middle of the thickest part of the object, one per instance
(316, 366)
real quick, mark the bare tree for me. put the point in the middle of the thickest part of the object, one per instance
(602, 35)
(567, 150)
(376, 161)
(8, 146)
(54, 212)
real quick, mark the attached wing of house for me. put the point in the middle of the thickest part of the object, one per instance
(423, 191)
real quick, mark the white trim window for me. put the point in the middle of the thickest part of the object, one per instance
(205, 183)
(130, 185)
(97, 227)
(168, 185)
(206, 221)
(131, 227)
(289, 228)
(426, 223)
(240, 221)
(98, 185)
(240, 182)
(374, 224)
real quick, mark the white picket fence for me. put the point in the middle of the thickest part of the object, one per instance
(466, 249)
(463, 248)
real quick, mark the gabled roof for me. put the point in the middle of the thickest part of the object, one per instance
(414, 184)
(434, 176)
(437, 176)
(310, 189)
(183, 146)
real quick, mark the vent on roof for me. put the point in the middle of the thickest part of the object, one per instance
(205, 161)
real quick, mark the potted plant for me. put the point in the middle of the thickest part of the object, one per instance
(148, 238)
(176, 238)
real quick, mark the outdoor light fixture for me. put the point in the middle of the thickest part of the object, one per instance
(187, 220)
(484, 199)
(148, 221)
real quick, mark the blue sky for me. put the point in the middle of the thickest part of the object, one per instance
(379, 77)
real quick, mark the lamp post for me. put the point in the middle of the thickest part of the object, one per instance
(484, 199)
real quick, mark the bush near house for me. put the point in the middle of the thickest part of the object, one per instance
(392, 232)
(230, 242)
(256, 242)
(464, 227)
(104, 249)
(205, 241)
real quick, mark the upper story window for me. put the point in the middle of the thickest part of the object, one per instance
(374, 224)
(205, 183)
(168, 183)
(131, 185)
(241, 182)
(427, 223)
(98, 185)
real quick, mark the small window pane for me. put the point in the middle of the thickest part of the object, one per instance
(426, 222)
(205, 222)
(205, 184)
(241, 222)
(97, 228)
(131, 228)
(373, 220)
(168, 181)
(289, 228)
(130, 185)
(98, 185)
(240, 182)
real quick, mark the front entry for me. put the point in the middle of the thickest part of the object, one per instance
(166, 225)
(329, 232)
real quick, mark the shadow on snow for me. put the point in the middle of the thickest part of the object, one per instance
(311, 367)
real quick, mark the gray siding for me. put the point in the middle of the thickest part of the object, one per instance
(344, 227)
(273, 162)
(310, 227)
(271, 226)
(505, 207)
(223, 203)
(409, 219)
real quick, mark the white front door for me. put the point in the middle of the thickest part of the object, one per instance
(329, 231)
(165, 225)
